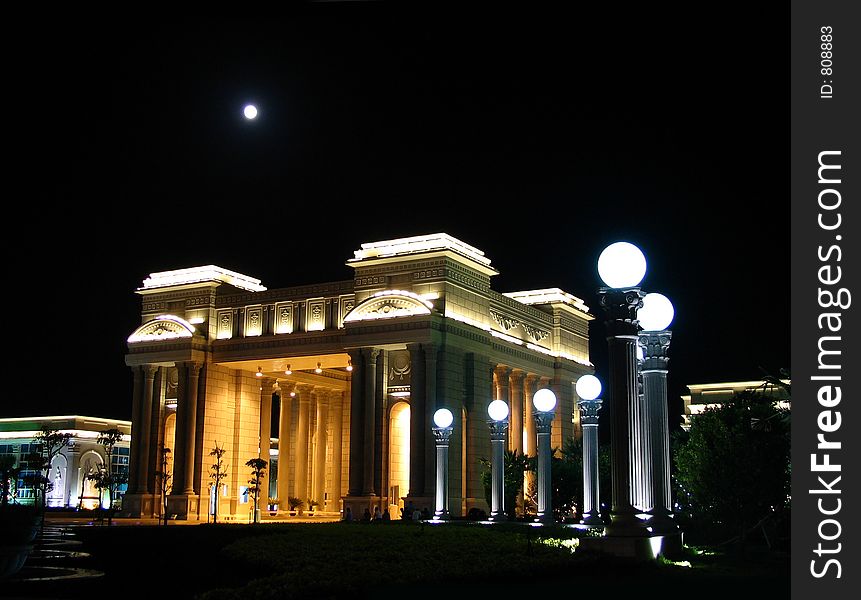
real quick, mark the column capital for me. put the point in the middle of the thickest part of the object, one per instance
(498, 430)
(655, 345)
(371, 353)
(517, 376)
(441, 435)
(620, 308)
(321, 394)
(589, 411)
(543, 421)
(303, 390)
(430, 349)
(193, 367)
(502, 371)
(531, 379)
(150, 371)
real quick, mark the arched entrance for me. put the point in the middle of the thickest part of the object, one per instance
(91, 463)
(399, 457)
(57, 476)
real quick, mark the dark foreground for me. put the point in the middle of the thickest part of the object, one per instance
(362, 561)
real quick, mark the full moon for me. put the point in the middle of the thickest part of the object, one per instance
(250, 112)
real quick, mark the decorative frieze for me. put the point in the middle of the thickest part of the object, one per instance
(224, 319)
(508, 323)
(315, 316)
(284, 317)
(253, 320)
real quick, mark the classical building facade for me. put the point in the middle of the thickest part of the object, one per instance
(84, 456)
(337, 382)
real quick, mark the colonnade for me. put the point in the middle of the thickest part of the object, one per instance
(304, 456)
(146, 436)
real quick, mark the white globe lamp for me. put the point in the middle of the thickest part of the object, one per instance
(657, 312)
(250, 112)
(443, 418)
(588, 387)
(498, 410)
(544, 400)
(621, 265)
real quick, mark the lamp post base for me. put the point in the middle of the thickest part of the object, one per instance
(544, 519)
(625, 524)
(662, 525)
(592, 520)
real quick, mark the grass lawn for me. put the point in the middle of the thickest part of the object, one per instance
(359, 560)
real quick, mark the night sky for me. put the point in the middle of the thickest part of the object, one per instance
(539, 138)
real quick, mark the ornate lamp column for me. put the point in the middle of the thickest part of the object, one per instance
(622, 267)
(589, 388)
(498, 412)
(544, 401)
(655, 316)
(443, 419)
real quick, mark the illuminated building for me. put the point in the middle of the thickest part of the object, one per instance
(706, 395)
(69, 469)
(370, 360)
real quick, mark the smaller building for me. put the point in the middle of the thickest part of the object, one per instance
(69, 469)
(710, 395)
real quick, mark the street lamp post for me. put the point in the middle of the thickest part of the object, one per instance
(588, 389)
(655, 316)
(544, 401)
(622, 267)
(443, 419)
(498, 412)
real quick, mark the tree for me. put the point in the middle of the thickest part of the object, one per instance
(51, 442)
(566, 479)
(109, 479)
(7, 472)
(516, 466)
(258, 473)
(733, 467)
(218, 473)
(164, 475)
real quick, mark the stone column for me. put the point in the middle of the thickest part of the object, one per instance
(143, 432)
(265, 438)
(190, 427)
(336, 403)
(357, 427)
(640, 449)
(418, 396)
(431, 405)
(516, 416)
(530, 386)
(655, 345)
(620, 306)
(441, 507)
(319, 467)
(543, 425)
(370, 388)
(591, 493)
(180, 445)
(134, 467)
(300, 477)
(155, 436)
(284, 424)
(497, 470)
